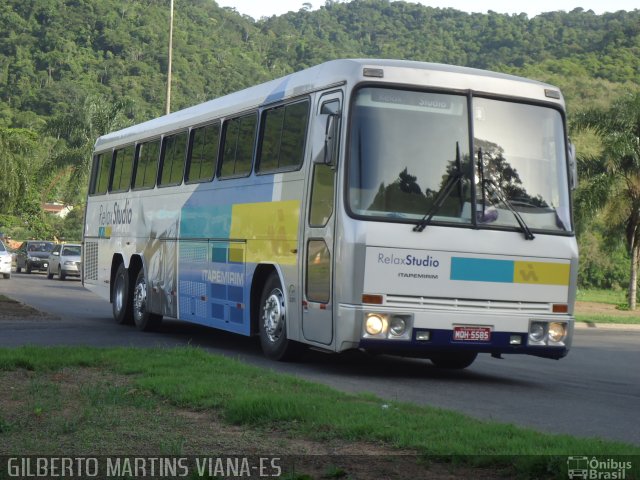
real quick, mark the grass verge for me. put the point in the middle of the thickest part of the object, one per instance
(611, 297)
(160, 380)
(603, 318)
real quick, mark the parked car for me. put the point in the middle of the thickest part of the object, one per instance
(33, 255)
(5, 261)
(65, 261)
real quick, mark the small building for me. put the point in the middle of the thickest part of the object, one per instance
(58, 209)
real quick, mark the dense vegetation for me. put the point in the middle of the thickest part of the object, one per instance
(72, 69)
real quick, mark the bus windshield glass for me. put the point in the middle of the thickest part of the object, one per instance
(410, 150)
(520, 155)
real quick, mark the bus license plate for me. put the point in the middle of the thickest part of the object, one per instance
(471, 334)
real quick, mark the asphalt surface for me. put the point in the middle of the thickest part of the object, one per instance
(593, 392)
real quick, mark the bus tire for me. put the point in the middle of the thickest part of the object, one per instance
(143, 318)
(453, 360)
(273, 322)
(121, 302)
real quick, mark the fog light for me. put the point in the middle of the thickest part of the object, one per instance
(375, 324)
(557, 331)
(515, 340)
(537, 331)
(397, 326)
(423, 336)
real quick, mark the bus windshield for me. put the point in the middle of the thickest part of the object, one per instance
(406, 147)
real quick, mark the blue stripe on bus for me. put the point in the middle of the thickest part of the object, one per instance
(482, 270)
(207, 213)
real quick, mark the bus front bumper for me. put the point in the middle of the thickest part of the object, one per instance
(442, 341)
(421, 333)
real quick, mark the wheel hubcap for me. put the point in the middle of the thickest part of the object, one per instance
(140, 299)
(273, 315)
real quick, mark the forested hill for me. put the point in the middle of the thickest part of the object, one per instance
(54, 53)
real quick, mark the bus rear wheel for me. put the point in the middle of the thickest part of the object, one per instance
(453, 360)
(121, 301)
(273, 322)
(142, 317)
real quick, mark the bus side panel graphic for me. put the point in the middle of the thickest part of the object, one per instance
(215, 275)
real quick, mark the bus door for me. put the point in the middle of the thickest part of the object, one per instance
(317, 319)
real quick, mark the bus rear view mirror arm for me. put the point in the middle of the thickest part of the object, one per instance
(573, 167)
(332, 130)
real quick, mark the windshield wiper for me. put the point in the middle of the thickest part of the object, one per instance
(496, 191)
(484, 182)
(453, 179)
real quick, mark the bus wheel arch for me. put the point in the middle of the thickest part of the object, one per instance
(116, 261)
(271, 316)
(260, 276)
(121, 298)
(143, 318)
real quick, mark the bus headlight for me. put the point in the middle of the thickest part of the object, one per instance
(548, 333)
(537, 331)
(557, 331)
(375, 324)
(397, 326)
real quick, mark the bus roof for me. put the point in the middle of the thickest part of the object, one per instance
(336, 72)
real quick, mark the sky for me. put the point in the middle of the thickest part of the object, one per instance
(265, 8)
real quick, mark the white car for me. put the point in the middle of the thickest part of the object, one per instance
(65, 261)
(5, 261)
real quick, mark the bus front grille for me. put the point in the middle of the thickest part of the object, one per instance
(433, 303)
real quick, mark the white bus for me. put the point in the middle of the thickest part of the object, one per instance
(392, 206)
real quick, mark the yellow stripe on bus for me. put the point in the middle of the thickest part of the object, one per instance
(270, 229)
(541, 273)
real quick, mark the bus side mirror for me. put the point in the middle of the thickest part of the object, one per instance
(331, 140)
(331, 133)
(573, 167)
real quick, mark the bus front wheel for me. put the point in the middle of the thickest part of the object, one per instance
(453, 360)
(121, 301)
(273, 322)
(142, 317)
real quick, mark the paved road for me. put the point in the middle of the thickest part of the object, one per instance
(594, 392)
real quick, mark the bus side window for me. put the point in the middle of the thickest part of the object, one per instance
(203, 153)
(122, 166)
(100, 174)
(95, 168)
(318, 271)
(146, 168)
(283, 137)
(172, 159)
(238, 138)
(321, 195)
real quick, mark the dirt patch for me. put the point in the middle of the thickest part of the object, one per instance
(13, 310)
(89, 412)
(594, 308)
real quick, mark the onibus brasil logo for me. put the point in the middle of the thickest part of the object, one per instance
(593, 468)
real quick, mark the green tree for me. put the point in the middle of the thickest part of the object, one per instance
(16, 147)
(77, 132)
(612, 180)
